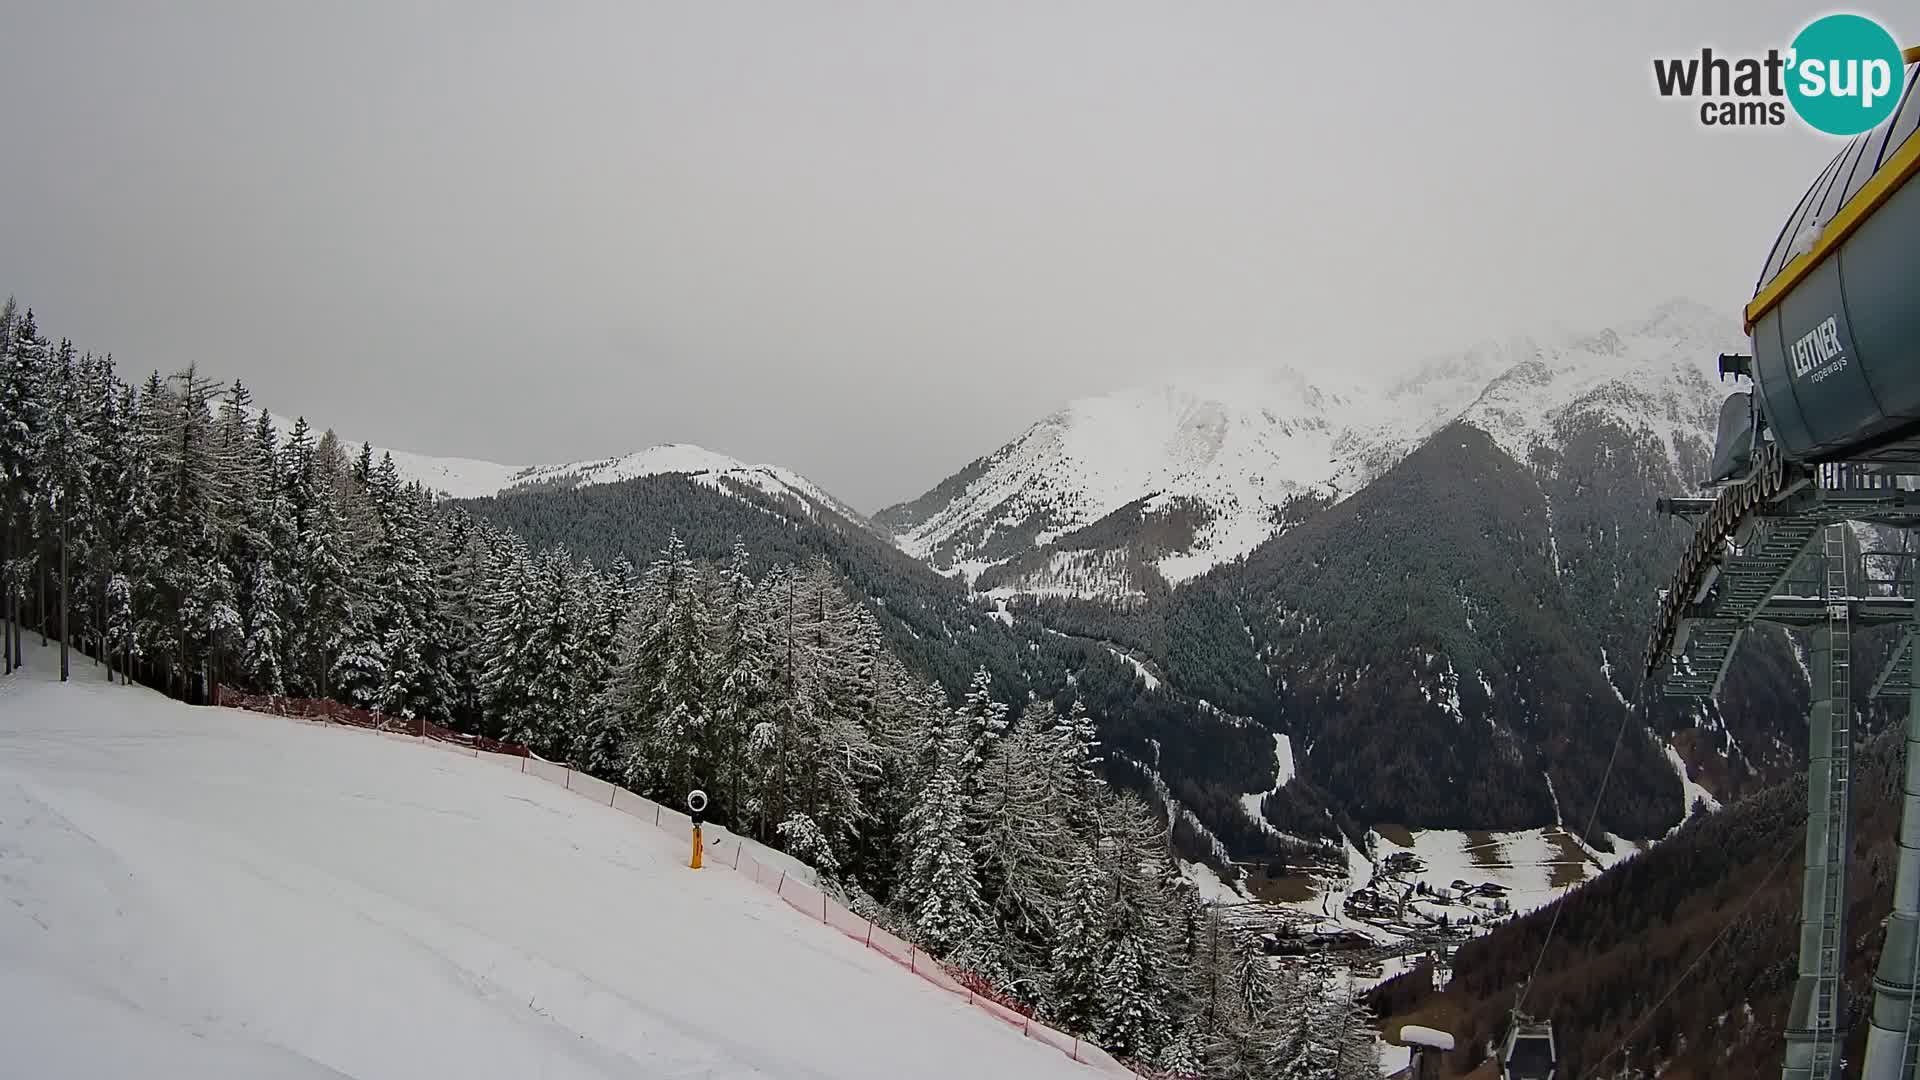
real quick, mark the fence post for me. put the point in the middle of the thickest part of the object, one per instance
(913, 960)
(656, 815)
(523, 764)
(568, 783)
(823, 905)
(783, 883)
(610, 794)
(737, 845)
(869, 935)
(1076, 1048)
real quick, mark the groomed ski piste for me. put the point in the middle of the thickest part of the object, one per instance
(198, 892)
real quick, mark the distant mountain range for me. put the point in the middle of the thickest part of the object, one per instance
(1117, 495)
(470, 478)
(1434, 584)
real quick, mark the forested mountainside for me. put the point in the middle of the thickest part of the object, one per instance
(1207, 758)
(1490, 613)
(1456, 644)
(1452, 637)
(1724, 890)
(169, 533)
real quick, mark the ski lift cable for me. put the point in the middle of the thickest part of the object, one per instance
(1592, 817)
(1646, 1017)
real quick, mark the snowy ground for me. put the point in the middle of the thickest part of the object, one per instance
(1139, 668)
(1523, 862)
(1283, 767)
(1694, 792)
(1326, 909)
(201, 892)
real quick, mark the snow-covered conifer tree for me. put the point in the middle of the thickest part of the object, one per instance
(742, 665)
(1024, 847)
(947, 915)
(657, 698)
(1074, 1000)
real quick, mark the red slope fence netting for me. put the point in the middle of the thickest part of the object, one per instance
(728, 852)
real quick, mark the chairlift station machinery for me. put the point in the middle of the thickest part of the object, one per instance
(1828, 435)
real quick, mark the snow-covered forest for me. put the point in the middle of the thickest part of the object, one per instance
(168, 533)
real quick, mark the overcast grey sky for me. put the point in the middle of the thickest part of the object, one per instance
(868, 241)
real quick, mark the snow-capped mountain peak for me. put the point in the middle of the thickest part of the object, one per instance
(1659, 374)
(1238, 443)
(1183, 475)
(703, 465)
(470, 478)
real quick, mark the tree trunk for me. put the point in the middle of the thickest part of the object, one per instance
(6, 596)
(16, 612)
(65, 669)
(42, 613)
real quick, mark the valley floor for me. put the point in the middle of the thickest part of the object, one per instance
(202, 892)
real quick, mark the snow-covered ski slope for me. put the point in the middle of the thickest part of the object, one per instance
(190, 892)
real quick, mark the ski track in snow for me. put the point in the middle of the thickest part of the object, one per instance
(1283, 766)
(1208, 884)
(1140, 668)
(192, 892)
(1694, 792)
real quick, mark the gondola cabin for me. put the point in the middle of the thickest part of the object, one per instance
(1530, 1053)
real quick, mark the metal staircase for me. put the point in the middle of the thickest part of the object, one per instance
(1747, 579)
(1742, 581)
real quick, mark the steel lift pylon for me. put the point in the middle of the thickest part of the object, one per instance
(1791, 559)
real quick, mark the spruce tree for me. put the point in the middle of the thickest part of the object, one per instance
(656, 707)
(985, 722)
(1024, 848)
(1140, 966)
(23, 421)
(1074, 999)
(742, 665)
(947, 915)
(65, 501)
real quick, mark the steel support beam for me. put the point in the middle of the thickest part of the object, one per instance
(1813, 1036)
(1892, 1041)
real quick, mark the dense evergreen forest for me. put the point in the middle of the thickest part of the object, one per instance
(168, 533)
(1208, 758)
(1491, 614)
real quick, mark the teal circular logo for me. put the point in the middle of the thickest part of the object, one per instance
(1845, 74)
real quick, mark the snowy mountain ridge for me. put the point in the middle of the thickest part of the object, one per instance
(1183, 476)
(470, 478)
(1656, 375)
